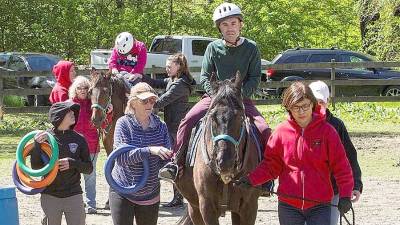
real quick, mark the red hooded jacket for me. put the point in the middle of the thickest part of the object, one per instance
(61, 73)
(85, 127)
(304, 159)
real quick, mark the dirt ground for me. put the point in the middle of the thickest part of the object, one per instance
(378, 204)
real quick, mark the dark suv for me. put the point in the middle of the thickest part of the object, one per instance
(17, 61)
(300, 55)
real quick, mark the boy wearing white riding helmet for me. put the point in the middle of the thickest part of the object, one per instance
(128, 57)
(321, 93)
(223, 57)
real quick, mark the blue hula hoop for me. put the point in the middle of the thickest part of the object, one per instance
(109, 164)
(20, 186)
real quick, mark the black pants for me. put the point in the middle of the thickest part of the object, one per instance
(124, 211)
(317, 215)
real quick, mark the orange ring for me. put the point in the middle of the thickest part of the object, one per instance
(27, 180)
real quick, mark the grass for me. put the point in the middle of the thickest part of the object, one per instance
(13, 101)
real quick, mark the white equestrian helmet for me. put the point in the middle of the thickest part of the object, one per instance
(225, 10)
(124, 42)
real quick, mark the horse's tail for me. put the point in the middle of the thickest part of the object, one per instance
(185, 219)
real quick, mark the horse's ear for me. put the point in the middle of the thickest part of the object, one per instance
(238, 80)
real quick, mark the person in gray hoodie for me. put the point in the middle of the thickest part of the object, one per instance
(64, 194)
(175, 101)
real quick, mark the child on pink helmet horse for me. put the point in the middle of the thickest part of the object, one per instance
(128, 58)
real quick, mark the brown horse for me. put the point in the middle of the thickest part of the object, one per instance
(106, 90)
(224, 153)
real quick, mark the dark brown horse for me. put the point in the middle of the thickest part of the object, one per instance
(223, 154)
(106, 90)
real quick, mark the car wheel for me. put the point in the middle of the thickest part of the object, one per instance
(30, 100)
(392, 91)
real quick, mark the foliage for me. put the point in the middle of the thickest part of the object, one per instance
(367, 112)
(72, 28)
(382, 35)
(383, 114)
(13, 101)
(22, 123)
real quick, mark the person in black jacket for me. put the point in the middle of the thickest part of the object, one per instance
(64, 194)
(175, 101)
(321, 93)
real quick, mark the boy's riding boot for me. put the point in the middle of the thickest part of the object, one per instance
(177, 201)
(170, 171)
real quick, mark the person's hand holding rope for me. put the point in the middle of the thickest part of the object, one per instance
(344, 205)
(243, 183)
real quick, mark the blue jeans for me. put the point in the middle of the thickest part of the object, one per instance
(90, 183)
(334, 210)
(317, 215)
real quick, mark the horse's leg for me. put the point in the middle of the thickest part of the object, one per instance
(108, 140)
(248, 212)
(195, 215)
(235, 218)
(208, 211)
(185, 219)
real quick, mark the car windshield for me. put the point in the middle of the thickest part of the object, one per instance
(41, 63)
(166, 46)
(276, 58)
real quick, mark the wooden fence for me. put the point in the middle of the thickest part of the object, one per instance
(333, 83)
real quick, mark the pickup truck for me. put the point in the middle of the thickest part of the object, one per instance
(162, 46)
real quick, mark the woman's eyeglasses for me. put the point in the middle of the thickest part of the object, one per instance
(304, 107)
(147, 100)
(82, 88)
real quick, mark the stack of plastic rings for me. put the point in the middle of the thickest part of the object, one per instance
(110, 164)
(22, 174)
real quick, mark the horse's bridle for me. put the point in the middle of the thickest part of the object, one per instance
(104, 109)
(236, 142)
(229, 138)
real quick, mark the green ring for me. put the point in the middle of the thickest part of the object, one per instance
(46, 169)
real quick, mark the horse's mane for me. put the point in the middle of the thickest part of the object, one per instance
(119, 86)
(227, 95)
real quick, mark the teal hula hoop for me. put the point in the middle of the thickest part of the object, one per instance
(46, 169)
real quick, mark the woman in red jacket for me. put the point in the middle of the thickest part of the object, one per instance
(78, 93)
(303, 152)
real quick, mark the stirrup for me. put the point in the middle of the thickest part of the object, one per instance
(166, 174)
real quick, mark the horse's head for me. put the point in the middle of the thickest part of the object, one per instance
(225, 119)
(101, 93)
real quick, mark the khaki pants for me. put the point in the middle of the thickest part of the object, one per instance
(54, 207)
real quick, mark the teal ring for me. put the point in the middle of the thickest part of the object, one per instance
(46, 169)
